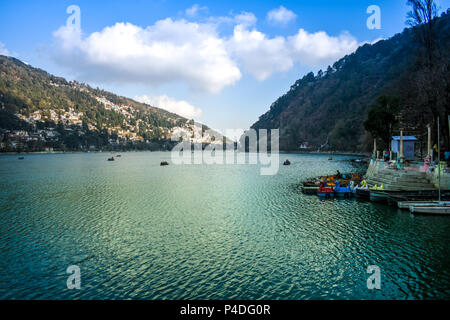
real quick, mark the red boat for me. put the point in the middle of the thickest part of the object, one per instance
(325, 192)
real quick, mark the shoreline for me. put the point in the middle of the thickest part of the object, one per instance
(336, 153)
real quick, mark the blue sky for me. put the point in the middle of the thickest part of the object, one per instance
(221, 62)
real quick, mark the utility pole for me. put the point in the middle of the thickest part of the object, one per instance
(439, 158)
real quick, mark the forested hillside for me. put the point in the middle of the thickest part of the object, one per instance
(39, 110)
(328, 109)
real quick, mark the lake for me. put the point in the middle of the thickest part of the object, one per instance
(140, 231)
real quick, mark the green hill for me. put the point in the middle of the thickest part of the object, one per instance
(329, 109)
(73, 116)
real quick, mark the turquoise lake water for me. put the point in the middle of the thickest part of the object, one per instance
(141, 231)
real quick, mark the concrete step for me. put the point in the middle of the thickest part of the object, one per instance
(391, 173)
(408, 173)
(416, 186)
(387, 176)
(378, 180)
(409, 188)
(412, 178)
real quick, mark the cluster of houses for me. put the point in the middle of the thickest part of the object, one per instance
(16, 140)
(70, 117)
(21, 139)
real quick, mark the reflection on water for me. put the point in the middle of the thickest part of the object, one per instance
(141, 231)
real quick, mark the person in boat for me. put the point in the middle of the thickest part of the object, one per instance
(287, 163)
(338, 175)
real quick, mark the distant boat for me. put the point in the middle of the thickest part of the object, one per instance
(330, 159)
(287, 163)
(164, 163)
(118, 156)
(111, 159)
(21, 158)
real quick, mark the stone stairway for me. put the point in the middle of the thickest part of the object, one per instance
(406, 180)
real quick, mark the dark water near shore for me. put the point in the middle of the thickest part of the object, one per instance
(141, 231)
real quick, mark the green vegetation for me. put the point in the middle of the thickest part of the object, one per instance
(83, 118)
(329, 109)
(382, 119)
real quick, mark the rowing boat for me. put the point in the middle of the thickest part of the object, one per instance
(434, 210)
(408, 204)
(378, 196)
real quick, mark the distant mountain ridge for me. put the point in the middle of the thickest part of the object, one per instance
(328, 110)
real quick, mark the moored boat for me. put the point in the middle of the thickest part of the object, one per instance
(343, 192)
(363, 194)
(408, 204)
(325, 192)
(310, 190)
(431, 210)
(378, 196)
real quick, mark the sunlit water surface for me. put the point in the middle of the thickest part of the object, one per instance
(141, 231)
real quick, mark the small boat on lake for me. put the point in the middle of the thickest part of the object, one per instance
(287, 163)
(417, 196)
(345, 181)
(431, 210)
(408, 204)
(378, 196)
(363, 193)
(111, 159)
(344, 192)
(325, 192)
(21, 158)
(310, 190)
(164, 163)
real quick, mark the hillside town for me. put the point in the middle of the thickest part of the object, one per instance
(64, 129)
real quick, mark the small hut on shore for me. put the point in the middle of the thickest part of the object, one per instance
(408, 146)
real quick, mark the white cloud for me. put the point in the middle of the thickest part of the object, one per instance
(260, 55)
(166, 52)
(247, 19)
(244, 18)
(316, 49)
(3, 50)
(281, 16)
(180, 107)
(263, 56)
(195, 9)
(192, 53)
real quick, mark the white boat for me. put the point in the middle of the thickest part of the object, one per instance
(434, 210)
(407, 204)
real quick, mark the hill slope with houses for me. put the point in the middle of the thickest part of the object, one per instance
(39, 111)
